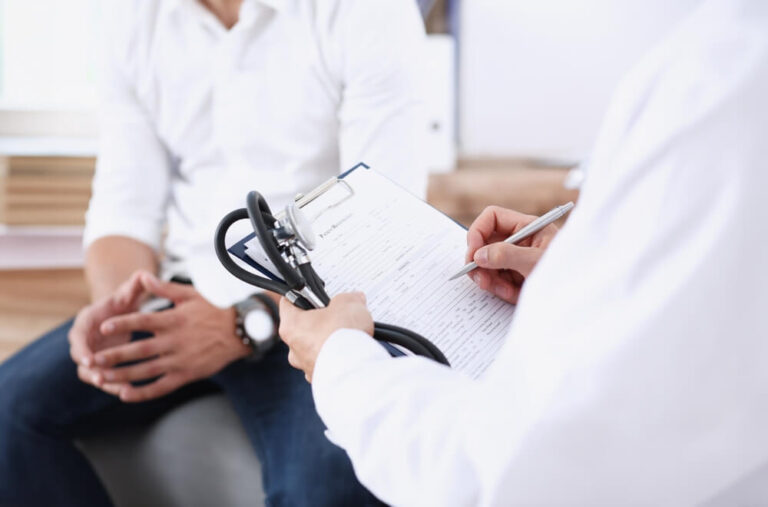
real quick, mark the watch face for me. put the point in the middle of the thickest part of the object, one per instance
(258, 325)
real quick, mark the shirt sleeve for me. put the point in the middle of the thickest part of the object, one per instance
(132, 181)
(382, 115)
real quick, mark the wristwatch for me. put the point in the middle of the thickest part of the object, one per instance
(256, 322)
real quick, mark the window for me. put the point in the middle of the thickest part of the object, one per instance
(49, 54)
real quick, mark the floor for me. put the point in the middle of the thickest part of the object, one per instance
(32, 302)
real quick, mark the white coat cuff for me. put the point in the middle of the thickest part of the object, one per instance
(343, 352)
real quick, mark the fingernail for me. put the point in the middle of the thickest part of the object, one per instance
(500, 290)
(95, 378)
(101, 360)
(481, 256)
(475, 277)
(87, 361)
(108, 327)
(109, 376)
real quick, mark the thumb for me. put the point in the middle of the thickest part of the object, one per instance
(505, 256)
(169, 290)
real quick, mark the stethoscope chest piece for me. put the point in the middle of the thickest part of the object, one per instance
(294, 225)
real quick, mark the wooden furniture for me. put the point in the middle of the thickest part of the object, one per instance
(34, 301)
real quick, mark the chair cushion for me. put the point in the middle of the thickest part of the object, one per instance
(197, 454)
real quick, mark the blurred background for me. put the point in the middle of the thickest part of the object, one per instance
(516, 88)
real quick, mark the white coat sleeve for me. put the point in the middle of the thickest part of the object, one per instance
(386, 424)
(634, 373)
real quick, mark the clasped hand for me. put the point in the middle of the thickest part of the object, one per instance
(502, 270)
(189, 342)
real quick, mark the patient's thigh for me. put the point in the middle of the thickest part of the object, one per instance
(41, 391)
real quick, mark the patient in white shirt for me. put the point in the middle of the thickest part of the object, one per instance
(204, 101)
(634, 371)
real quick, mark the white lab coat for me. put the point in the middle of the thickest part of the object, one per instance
(635, 371)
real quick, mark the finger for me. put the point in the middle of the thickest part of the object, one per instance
(160, 387)
(89, 376)
(505, 256)
(174, 291)
(497, 285)
(113, 388)
(474, 242)
(293, 359)
(287, 310)
(134, 351)
(130, 291)
(94, 378)
(80, 336)
(138, 321)
(79, 350)
(349, 298)
(497, 220)
(141, 371)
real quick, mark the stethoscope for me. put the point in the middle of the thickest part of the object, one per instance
(287, 241)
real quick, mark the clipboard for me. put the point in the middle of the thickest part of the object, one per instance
(376, 237)
(240, 248)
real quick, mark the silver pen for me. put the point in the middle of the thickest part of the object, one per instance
(529, 230)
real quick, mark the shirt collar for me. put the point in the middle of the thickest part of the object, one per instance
(172, 5)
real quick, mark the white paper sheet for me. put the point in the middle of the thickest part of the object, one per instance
(400, 252)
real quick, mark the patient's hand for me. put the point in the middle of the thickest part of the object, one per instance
(504, 267)
(191, 341)
(85, 336)
(305, 332)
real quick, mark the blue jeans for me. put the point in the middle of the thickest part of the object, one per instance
(44, 406)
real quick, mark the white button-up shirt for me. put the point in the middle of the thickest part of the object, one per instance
(195, 116)
(635, 369)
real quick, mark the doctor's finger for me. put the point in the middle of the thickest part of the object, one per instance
(498, 220)
(134, 351)
(496, 284)
(475, 241)
(505, 256)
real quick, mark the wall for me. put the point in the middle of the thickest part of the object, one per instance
(536, 75)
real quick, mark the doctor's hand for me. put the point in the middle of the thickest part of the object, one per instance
(503, 268)
(189, 342)
(306, 331)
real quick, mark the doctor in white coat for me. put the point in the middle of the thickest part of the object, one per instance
(636, 367)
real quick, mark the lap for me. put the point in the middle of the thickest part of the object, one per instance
(301, 466)
(42, 392)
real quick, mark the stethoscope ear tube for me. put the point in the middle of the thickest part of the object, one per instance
(259, 213)
(410, 340)
(220, 245)
(223, 254)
